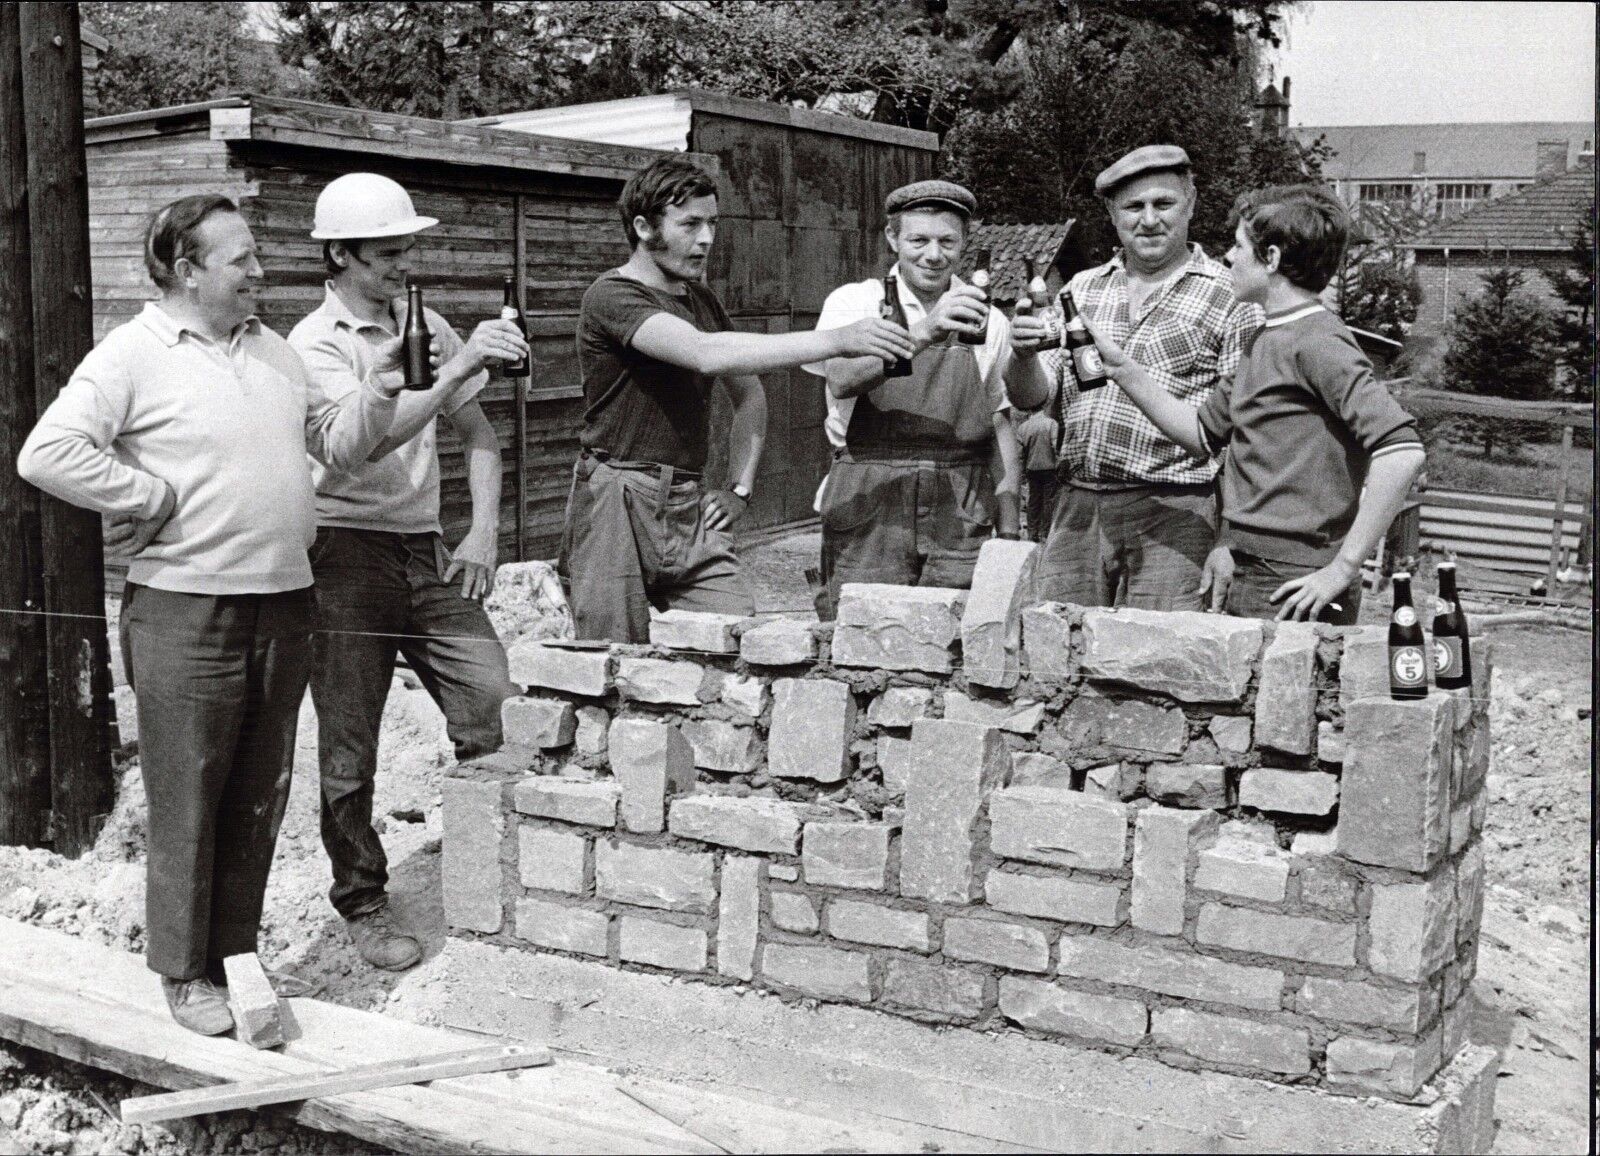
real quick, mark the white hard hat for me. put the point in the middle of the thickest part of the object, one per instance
(357, 206)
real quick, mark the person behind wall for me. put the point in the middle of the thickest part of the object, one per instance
(189, 425)
(642, 528)
(385, 583)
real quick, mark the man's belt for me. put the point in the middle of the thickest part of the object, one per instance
(928, 456)
(656, 468)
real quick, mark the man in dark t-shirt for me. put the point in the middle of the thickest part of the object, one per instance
(642, 528)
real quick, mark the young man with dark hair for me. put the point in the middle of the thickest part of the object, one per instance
(1320, 457)
(642, 530)
(190, 425)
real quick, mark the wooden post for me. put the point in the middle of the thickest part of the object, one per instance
(1558, 525)
(79, 677)
(519, 245)
(24, 709)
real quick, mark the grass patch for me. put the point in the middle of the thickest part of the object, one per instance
(1532, 471)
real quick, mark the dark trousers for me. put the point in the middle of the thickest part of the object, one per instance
(1043, 487)
(218, 680)
(381, 594)
(1255, 579)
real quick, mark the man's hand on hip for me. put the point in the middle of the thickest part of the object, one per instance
(723, 508)
(475, 559)
(1216, 578)
(126, 535)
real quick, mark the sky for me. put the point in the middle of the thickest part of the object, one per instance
(1427, 61)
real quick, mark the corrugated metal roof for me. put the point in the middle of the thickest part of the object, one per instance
(1007, 245)
(1484, 151)
(1538, 217)
(649, 122)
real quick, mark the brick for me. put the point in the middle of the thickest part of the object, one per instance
(792, 911)
(1378, 1066)
(719, 745)
(1043, 1006)
(1412, 929)
(1469, 894)
(1051, 897)
(1047, 641)
(1194, 785)
(745, 694)
(538, 722)
(879, 926)
(1394, 807)
(846, 855)
(1191, 656)
(991, 624)
(1289, 792)
(1162, 841)
(1363, 667)
(809, 737)
(1267, 933)
(753, 823)
(1330, 743)
(780, 642)
(1227, 1040)
(739, 916)
(1231, 733)
(1002, 944)
(1245, 868)
(956, 992)
(549, 665)
(651, 762)
(900, 706)
(824, 972)
(593, 804)
(1058, 828)
(662, 944)
(894, 760)
(472, 829)
(590, 736)
(1093, 720)
(1031, 769)
(1180, 974)
(550, 860)
(1286, 694)
(696, 630)
(660, 680)
(1021, 717)
(562, 928)
(957, 766)
(897, 627)
(654, 876)
(1323, 885)
(1348, 1001)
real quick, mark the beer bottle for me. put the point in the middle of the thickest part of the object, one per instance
(1408, 667)
(1038, 291)
(1086, 364)
(889, 309)
(980, 280)
(1452, 657)
(417, 342)
(512, 312)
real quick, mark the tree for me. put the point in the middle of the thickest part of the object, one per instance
(1381, 297)
(1574, 325)
(1499, 346)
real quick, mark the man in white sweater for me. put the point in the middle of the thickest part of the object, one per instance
(190, 426)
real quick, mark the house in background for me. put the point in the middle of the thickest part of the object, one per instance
(1052, 246)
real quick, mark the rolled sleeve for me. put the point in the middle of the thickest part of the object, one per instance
(1342, 376)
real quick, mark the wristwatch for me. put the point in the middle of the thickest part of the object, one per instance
(740, 491)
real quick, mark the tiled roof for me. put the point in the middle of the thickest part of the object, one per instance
(1538, 217)
(1007, 245)
(1453, 151)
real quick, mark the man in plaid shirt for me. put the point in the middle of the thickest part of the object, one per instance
(1137, 515)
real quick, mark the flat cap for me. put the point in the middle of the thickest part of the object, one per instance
(1149, 159)
(932, 195)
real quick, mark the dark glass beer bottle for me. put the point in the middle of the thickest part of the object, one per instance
(1452, 656)
(417, 341)
(1408, 665)
(512, 312)
(889, 309)
(980, 280)
(1038, 291)
(1086, 363)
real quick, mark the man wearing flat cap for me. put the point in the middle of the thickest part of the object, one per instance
(914, 490)
(1137, 515)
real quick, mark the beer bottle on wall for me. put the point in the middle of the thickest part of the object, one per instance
(1408, 666)
(980, 280)
(1086, 363)
(416, 342)
(512, 312)
(889, 309)
(1452, 657)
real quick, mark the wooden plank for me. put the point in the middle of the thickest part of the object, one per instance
(519, 443)
(256, 1018)
(1571, 414)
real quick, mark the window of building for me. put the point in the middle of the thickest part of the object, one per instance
(1388, 191)
(1457, 197)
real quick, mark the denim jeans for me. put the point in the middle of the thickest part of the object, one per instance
(380, 594)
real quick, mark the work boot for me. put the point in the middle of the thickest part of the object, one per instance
(382, 944)
(197, 1005)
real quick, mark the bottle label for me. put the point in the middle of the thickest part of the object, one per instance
(1405, 616)
(1408, 666)
(1089, 363)
(1443, 606)
(1446, 656)
(508, 313)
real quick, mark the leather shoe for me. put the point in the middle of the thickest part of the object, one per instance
(382, 944)
(197, 1005)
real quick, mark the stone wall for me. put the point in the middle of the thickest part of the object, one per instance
(1211, 841)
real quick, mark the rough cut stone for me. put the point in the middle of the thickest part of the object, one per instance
(1286, 695)
(745, 694)
(593, 804)
(1031, 769)
(1162, 842)
(473, 825)
(590, 737)
(809, 737)
(1180, 974)
(651, 762)
(1363, 667)
(957, 766)
(1094, 720)
(1323, 885)
(1472, 753)
(719, 745)
(1469, 893)
(1051, 897)
(1193, 785)
(1231, 733)
(551, 666)
(1330, 743)
(538, 722)
(660, 680)
(662, 944)
(788, 872)
(824, 972)
(1268, 933)
(739, 916)
(1394, 807)
(991, 625)
(550, 860)
(846, 855)
(1226, 1040)
(1191, 656)
(562, 928)
(894, 760)
(695, 630)
(792, 911)
(1002, 944)
(947, 991)
(1379, 1066)
(1400, 1009)
(879, 926)
(1289, 792)
(654, 876)
(1311, 843)
(749, 824)
(1047, 641)
(1412, 927)
(780, 642)
(1246, 868)
(1022, 717)
(1038, 1004)
(1058, 828)
(900, 706)
(897, 627)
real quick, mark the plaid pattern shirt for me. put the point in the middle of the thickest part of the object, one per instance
(1190, 334)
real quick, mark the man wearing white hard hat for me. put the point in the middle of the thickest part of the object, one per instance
(385, 582)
